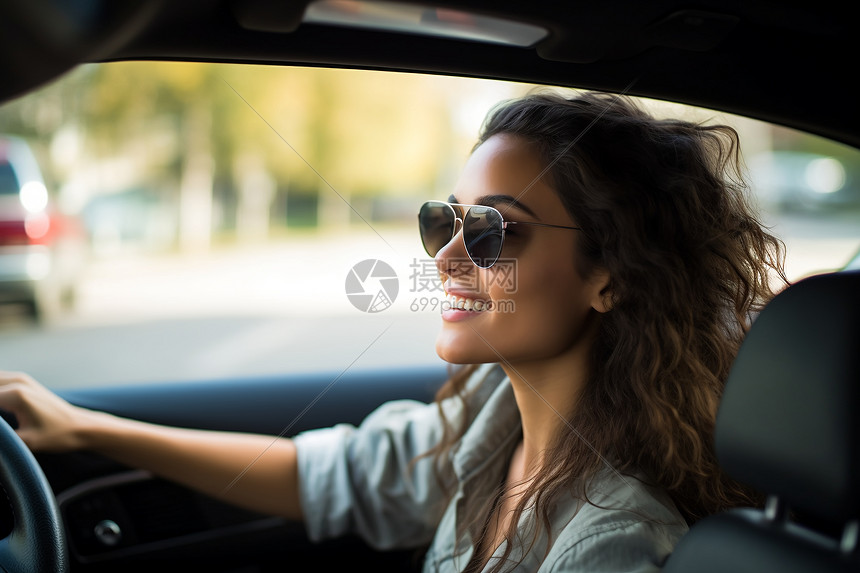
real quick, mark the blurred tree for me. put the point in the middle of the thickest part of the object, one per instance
(252, 131)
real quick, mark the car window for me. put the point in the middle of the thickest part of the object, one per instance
(213, 221)
(8, 180)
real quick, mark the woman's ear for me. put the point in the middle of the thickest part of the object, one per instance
(601, 299)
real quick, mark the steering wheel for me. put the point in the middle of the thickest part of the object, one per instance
(37, 542)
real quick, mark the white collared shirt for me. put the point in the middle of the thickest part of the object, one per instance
(360, 481)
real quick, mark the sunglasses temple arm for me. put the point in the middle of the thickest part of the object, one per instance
(542, 225)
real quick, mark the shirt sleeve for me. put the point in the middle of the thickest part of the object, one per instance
(361, 480)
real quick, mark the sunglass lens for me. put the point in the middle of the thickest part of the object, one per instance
(436, 225)
(482, 233)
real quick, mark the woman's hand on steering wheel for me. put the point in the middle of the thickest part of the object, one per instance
(45, 422)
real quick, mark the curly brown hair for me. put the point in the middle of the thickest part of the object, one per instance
(664, 208)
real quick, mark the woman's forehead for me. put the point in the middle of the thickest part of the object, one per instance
(507, 165)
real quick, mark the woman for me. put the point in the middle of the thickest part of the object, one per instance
(602, 267)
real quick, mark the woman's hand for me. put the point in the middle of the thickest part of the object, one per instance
(204, 460)
(46, 422)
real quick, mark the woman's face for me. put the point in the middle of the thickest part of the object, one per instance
(541, 307)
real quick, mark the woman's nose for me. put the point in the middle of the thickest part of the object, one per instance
(452, 258)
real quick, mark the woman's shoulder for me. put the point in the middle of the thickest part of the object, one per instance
(405, 416)
(625, 524)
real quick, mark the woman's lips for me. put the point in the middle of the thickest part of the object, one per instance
(459, 306)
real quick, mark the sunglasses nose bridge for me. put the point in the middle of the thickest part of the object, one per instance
(458, 226)
(482, 228)
(450, 250)
(455, 230)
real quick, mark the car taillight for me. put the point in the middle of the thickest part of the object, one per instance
(34, 229)
(13, 233)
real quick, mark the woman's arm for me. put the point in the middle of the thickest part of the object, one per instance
(254, 471)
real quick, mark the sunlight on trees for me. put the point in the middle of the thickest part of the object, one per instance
(208, 152)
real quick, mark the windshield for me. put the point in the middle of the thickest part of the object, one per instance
(258, 220)
(8, 180)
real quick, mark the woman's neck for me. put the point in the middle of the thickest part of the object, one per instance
(547, 392)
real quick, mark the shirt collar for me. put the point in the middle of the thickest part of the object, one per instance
(494, 428)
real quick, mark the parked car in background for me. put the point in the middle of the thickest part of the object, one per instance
(804, 181)
(42, 250)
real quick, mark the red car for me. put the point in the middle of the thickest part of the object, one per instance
(42, 250)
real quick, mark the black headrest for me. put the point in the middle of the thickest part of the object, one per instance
(789, 420)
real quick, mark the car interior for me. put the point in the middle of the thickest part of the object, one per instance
(788, 422)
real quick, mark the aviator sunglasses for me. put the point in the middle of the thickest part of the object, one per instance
(483, 229)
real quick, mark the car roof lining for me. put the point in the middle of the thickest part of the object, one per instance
(741, 58)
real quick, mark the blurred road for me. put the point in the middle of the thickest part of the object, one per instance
(189, 348)
(254, 310)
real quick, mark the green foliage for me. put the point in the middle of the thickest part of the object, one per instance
(315, 144)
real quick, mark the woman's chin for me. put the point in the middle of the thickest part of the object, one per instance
(449, 355)
(457, 348)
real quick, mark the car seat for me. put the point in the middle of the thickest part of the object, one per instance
(789, 426)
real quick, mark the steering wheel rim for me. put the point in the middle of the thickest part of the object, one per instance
(37, 542)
